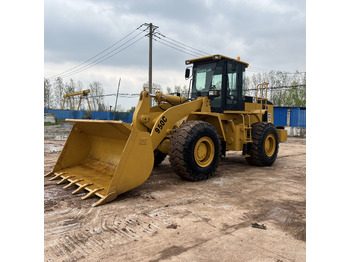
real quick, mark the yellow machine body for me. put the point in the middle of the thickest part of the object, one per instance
(108, 158)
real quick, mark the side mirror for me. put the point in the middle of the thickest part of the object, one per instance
(187, 73)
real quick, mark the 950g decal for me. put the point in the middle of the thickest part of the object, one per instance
(161, 124)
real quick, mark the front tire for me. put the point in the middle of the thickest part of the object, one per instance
(195, 150)
(265, 144)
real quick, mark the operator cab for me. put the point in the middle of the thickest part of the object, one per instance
(221, 79)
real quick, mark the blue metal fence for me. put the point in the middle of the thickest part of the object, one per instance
(280, 116)
(101, 115)
(298, 116)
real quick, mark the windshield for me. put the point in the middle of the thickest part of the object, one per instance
(203, 78)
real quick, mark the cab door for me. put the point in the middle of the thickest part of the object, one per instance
(235, 81)
(217, 104)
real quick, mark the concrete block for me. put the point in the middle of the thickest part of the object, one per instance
(296, 131)
(49, 118)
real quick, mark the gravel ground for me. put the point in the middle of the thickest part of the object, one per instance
(170, 219)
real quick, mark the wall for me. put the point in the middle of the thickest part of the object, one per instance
(280, 116)
(49, 118)
(292, 118)
(100, 115)
(289, 116)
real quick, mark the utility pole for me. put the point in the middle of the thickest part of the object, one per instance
(150, 60)
(116, 100)
(150, 35)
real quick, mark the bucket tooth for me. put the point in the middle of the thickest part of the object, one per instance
(91, 193)
(101, 155)
(99, 202)
(64, 180)
(73, 183)
(80, 188)
(105, 199)
(57, 175)
(48, 174)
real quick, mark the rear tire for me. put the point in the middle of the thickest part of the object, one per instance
(195, 150)
(265, 144)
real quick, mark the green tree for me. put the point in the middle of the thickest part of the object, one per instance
(168, 90)
(294, 96)
(183, 91)
(47, 94)
(155, 87)
(97, 99)
(58, 92)
(131, 110)
(69, 88)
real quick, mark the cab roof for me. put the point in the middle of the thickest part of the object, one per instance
(215, 57)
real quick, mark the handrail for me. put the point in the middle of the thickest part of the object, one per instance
(263, 85)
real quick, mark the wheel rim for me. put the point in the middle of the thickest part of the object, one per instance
(270, 145)
(204, 151)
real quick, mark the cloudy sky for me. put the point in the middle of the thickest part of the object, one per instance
(268, 34)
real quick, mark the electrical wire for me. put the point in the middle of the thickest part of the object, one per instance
(78, 68)
(256, 69)
(194, 52)
(159, 41)
(96, 54)
(179, 44)
(279, 87)
(120, 94)
(98, 61)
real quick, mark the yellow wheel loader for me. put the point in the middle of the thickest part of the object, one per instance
(108, 158)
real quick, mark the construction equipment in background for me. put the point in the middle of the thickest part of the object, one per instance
(82, 94)
(108, 158)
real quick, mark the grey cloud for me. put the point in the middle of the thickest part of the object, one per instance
(269, 36)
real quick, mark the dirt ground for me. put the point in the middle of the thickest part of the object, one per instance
(170, 219)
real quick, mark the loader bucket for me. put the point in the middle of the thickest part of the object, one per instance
(106, 158)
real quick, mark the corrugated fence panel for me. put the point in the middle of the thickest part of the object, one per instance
(294, 116)
(302, 117)
(100, 115)
(64, 114)
(125, 117)
(298, 116)
(280, 116)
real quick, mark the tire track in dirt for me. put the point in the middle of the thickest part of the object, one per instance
(288, 215)
(99, 232)
(148, 220)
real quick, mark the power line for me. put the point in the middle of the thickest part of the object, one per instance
(179, 44)
(193, 51)
(159, 41)
(161, 38)
(279, 87)
(98, 61)
(255, 69)
(252, 89)
(96, 54)
(176, 45)
(87, 64)
(125, 95)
